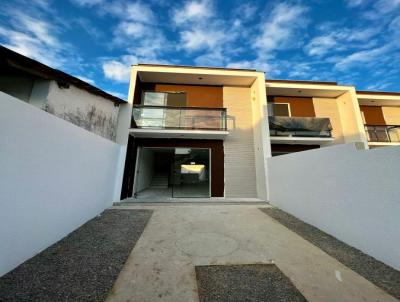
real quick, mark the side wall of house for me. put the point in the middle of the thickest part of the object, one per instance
(91, 112)
(240, 175)
(328, 107)
(54, 176)
(350, 118)
(353, 197)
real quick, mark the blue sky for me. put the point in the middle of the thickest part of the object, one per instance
(349, 41)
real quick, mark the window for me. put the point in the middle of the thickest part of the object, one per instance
(278, 109)
(175, 99)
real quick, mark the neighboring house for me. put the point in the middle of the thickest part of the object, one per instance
(306, 115)
(59, 93)
(207, 132)
(381, 116)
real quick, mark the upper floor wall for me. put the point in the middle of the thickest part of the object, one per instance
(318, 107)
(381, 117)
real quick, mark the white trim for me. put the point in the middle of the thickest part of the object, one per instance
(168, 133)
(291, 140)
(383, 144)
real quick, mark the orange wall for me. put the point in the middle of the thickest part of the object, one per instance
(373, 115)
(197, 96)
(301, 107)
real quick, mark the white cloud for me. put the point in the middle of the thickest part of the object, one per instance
(201, 39)
(193, 11)
(117, 94)
(354, 3)
(132, 30)
(387, 6)
(119, 70)
(86, 79)
(87, 2)
(34, 38)
(340, 40)
(278, 31)
(365, 56)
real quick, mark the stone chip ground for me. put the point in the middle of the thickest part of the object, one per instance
(83, 266)
(371, 269)
(251, 282)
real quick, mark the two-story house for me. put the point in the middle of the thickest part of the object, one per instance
(381, 117)
(196, 132)
(207, 132)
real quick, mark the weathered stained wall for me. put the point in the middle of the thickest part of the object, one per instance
(240, 170)
(83, 109)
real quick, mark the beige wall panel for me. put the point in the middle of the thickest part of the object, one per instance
(328, 107)
(350, 117)
(240, 170)
(392, 117)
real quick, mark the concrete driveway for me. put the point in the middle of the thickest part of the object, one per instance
(180, 237)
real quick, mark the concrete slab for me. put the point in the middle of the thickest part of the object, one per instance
(179, 237)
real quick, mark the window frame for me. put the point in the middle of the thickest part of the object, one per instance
(274, 103)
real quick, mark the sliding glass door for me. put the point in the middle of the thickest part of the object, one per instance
(191, 173)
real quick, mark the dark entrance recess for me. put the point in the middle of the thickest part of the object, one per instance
(217, 160)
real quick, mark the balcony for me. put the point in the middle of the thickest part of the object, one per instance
(383, 134)
(300, 130)
(172, 122)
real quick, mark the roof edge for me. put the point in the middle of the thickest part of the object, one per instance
(377, 92)
(302, 82)
(55, 74)
(199, 67)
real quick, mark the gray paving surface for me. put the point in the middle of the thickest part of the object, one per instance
(82, 266)
(380, 274)
(253, 283)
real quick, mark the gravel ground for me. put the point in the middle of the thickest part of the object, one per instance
(373, 270)
(252, 283)
(80, 267)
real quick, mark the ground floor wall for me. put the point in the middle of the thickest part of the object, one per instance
(349, 193)
(217, 160)
(54, 175)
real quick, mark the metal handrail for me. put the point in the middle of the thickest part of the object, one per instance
(300, 126)
(382, 133)
(179, 107)
(194, 122)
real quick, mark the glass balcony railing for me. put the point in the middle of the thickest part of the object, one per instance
(168, 117)
(300, 126)
(383, 134)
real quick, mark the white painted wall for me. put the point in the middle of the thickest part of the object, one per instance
(54, 177)
(145, 169)
(262, 144)
(348, 193)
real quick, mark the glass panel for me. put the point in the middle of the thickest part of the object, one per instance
(281, 110)
(191, 173)
(176, 99)
(154, 98)
(179, 118)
